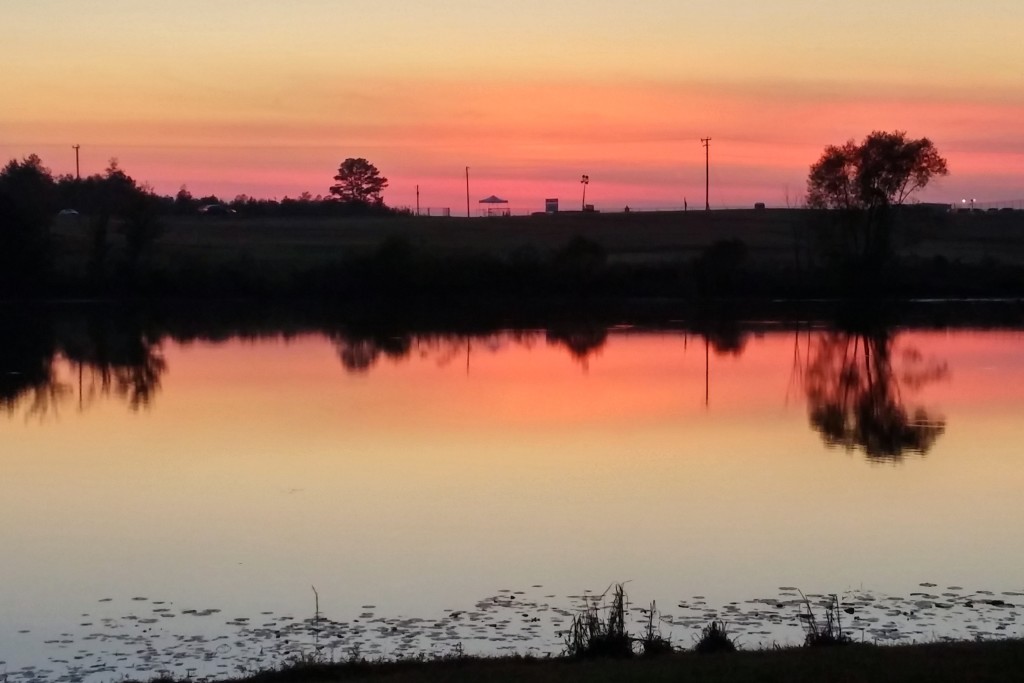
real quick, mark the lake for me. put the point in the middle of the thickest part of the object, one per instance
(209, 500)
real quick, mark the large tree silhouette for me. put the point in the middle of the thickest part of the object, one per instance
(359, 182)
(856, 397)
(863, 182)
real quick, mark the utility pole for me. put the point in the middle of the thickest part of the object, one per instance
(417, 200)
(78, 173)
(707, 172)
(467, 192)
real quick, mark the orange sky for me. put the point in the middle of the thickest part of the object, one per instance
(267, 98)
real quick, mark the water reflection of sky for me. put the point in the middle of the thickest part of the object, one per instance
(260, 468)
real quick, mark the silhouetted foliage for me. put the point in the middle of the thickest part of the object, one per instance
(861, 183)
(107, 248)
(119, 357)
(102, 356)
(141, 225)
(306, 205)
(27, 349)
(581, 341)
(114, 201)
(725, 335)
(579, 266)
(714, 638)
(856, 398)
(652, 642)
(592, 635)
(184, 202)
(884, 170)
(719, 268)
(828, 633)
(359, 353)
(581, 254)
(359, 182)
(27, 207)
(360, 350)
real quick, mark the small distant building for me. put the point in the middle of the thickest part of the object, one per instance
(551, 205)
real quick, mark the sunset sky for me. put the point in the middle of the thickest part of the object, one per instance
(266, 98)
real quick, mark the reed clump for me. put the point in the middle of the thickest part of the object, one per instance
(652, 643)
(824, 633)
(599, 631)
(714, 638)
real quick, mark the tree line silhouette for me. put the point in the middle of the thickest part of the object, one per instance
(843, 246)
(114, 203)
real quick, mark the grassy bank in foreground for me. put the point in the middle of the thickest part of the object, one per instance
(934, 663)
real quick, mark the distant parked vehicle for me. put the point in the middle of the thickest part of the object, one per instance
(216, 210)
(67, 212)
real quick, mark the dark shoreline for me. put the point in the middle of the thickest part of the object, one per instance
(473, 315)
(952, 662)
(697, 257)
(432, 281)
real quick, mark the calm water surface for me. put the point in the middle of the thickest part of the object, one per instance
(482, 483)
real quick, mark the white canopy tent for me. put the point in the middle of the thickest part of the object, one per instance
(496, 206)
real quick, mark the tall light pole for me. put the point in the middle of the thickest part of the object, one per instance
(707, 172)
(585, 180)
(417, 200)
(467, 192)
(78, 173)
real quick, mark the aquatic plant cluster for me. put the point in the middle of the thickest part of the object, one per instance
(158, 638)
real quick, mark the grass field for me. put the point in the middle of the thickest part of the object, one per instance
(642, 254)
(769, 234)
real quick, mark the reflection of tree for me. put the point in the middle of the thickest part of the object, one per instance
(581, 341)
(103, 359)
(447, 348)
(726, 337)
(135, 381)
(26, 367)
(360, 353)
(855, 395)
(120, 360)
